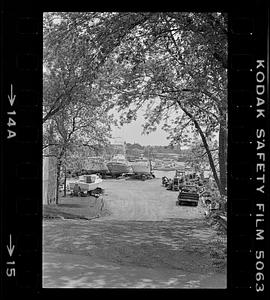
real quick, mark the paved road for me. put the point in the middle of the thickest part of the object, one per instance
(147, 241)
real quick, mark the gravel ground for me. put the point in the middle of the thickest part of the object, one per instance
(146, 236)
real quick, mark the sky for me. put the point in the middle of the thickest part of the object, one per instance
(132, 133)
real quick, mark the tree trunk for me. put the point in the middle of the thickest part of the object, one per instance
(222, 155)
(49, 172)
(58, 169)
(209, 154)
(58, 173)
(205, 144)
(65, 183)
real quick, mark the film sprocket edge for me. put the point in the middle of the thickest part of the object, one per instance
(249, 95)
(248, 154)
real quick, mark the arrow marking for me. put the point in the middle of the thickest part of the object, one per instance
(12, 97)
(10, 248)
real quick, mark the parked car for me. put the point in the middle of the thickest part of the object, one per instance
(165, 181)
(170, 184)
(177, 183)
(188, 195)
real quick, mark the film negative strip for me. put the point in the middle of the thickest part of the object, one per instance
(248, 93)
(21, 164)
(248, 153)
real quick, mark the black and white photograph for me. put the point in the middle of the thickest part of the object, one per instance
(135, 136)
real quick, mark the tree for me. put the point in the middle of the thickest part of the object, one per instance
(76, 46)
(73, 114)
(197, 157)
(76, 126)
(174, 62)
(178, 66)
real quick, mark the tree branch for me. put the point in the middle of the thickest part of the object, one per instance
(48, 145)
(210, 158)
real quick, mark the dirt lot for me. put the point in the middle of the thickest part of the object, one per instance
(145, 200)
(146, 241)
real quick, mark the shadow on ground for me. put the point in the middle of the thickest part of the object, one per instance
(76, 207)
(81, 272)
(175, 244)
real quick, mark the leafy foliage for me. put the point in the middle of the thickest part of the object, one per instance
(175, 63)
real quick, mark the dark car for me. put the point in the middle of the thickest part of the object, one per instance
(188, 195)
